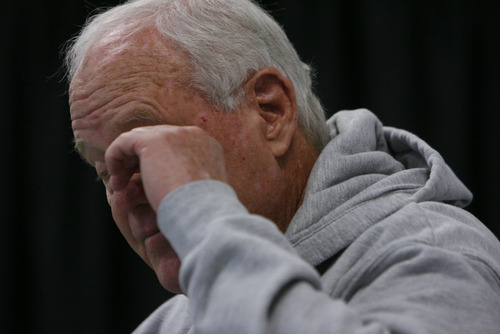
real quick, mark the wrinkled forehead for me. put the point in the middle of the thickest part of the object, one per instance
(118, 53)
(114, 73)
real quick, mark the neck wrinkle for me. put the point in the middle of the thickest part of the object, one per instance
(297, 167)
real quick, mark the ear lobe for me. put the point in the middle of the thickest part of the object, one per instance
(275, 101)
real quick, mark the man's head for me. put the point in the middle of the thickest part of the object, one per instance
(223, 66)
(226, 42)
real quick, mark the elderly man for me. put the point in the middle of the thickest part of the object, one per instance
(223, 175)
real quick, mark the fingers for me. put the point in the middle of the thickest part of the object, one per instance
(166, 156)
(122, 160)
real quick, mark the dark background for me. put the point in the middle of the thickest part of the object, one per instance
(428, 66)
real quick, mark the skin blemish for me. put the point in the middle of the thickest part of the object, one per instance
(204, 119)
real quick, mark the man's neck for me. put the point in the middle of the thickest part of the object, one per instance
(297, 167)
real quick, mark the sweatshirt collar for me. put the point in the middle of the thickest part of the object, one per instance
(363, 164)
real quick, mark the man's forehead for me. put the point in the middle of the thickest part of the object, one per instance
(126, 48)
(112, 68)
(105, 71)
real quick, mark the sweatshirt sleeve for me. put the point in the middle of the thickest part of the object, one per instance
(241, 274)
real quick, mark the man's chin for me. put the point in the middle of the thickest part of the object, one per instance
(168, 275)
(165, 262)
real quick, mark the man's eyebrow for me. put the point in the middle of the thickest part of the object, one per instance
(79, 147)
(137, 118)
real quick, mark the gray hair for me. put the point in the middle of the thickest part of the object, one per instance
(226, 41)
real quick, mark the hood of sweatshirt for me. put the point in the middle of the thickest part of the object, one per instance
(364, 174)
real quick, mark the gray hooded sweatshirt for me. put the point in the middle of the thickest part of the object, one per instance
(379, 245)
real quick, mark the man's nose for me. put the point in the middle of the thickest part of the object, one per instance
(128, 199)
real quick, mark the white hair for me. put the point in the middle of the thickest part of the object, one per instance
(226, 41)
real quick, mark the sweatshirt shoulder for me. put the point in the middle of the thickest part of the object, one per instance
(173, 316)
(432, 260)
(431, 237)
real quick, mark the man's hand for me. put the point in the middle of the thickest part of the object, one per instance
(166, 156)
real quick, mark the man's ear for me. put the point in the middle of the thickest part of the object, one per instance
(274, 97)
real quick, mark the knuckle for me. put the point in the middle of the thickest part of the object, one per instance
(194, 130)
